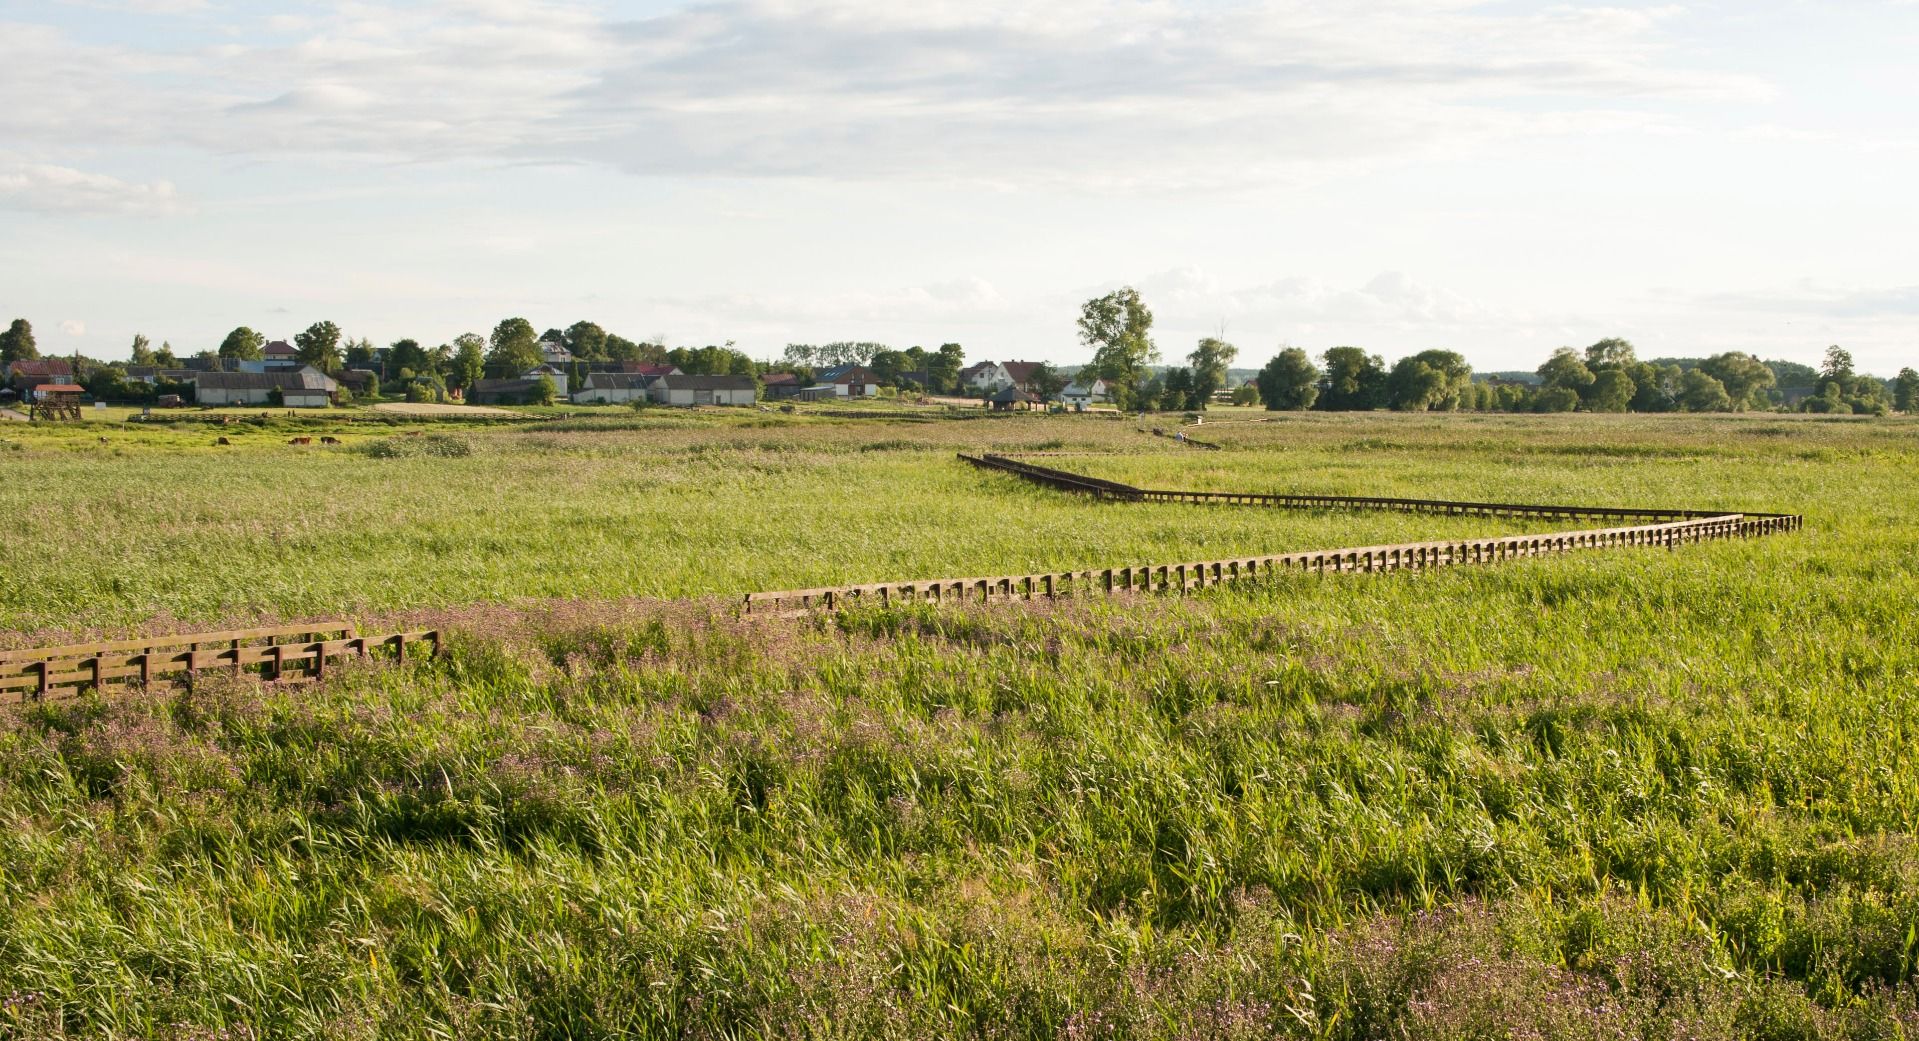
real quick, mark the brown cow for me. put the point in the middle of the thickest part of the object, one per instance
(223, 441)
(329, 440)
(300, 441)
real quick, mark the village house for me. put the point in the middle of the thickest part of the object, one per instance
(850, 381)
(280, 352)
(705, 390)
(27, 374)
(614, 388)
(1020, 374)
(1080, 394)
(984, 378)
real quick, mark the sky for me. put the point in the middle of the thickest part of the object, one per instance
(1498, 179)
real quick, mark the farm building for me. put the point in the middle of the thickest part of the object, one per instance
(307, 385)
(614, 388)
(781, 384)
(1020, 373)
(502, 392)
(705, 390)
(552, 372)
(851, 381)
(29, 373)
(281, 352)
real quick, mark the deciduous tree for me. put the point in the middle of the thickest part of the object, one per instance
(1355, 381)
(1290, 381)
(319, 346)
(16, 344)
(243, 344)
(1209, 361)
(515, 348)
(1118, 327)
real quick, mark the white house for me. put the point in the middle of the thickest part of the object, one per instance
(984, 377)
(1080, 394)
(704, 390)
(614, 388)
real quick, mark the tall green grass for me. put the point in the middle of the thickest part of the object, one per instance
(1639, 794)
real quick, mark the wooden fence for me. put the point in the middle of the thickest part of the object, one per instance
(280, 653)
(1198, 575)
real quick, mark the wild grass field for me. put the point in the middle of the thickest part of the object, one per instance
(1665, 794)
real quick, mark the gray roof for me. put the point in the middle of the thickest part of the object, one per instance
(285, 379)
(503, 386)
(618, 381)
(706, 382)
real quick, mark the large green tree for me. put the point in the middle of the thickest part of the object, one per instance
(1611, 391)
(1118, 327)
(1429, 380)
(1905, 390)
(1290, 381)
(1700, 392)
(319, 346)
(515, 348)
(586, 340)
(16, 344)
(943, 368)
(1209, 361)
(1355, 380)
(1746, 379)
(243, 344)
(469, 359)
(1566, 369)
(142, 353)
(1611, 353)
(407, 356)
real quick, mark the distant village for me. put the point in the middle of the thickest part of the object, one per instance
(279, 378)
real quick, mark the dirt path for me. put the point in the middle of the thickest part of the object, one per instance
(409, 408)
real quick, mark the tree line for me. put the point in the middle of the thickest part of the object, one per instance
(1605, 377)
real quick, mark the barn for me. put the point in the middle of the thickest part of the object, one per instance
(705, 390)
(614, 388)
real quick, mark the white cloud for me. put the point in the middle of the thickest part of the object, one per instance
(1120, 93)
(59, 189)
(73, 327)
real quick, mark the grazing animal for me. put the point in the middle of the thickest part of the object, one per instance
(103, 440)
(329, 440)
(300, 441)
(223, 441)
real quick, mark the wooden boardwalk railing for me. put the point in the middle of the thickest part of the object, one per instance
(1068, 481)
(1198, 575)
(278, 653)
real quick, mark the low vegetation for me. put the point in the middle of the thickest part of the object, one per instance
(1614, 795)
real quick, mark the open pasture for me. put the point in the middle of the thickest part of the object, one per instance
(1619, 794)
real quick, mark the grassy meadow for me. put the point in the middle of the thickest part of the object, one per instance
(1610, 795)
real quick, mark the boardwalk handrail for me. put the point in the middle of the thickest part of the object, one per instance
(1181, 576)
(1069, 481)
(282, 653)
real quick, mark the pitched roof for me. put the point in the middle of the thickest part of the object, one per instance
(706, 382)
(847, 374)
(279, 349)
(42, 367)
(1021, 371)
(618, 381)
(503, 386)
(777, 379)
(978, 366)
(306, 378)
(1008, 395)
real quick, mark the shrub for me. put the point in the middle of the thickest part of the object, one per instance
(442, 446)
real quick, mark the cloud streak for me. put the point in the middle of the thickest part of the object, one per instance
(1110, 93)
